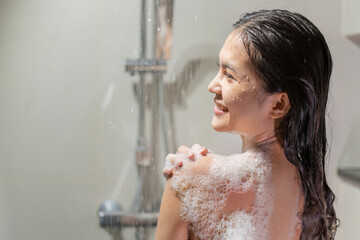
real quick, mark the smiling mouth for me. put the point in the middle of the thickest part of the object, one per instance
(221, 107)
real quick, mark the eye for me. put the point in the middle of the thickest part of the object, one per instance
(228, 75)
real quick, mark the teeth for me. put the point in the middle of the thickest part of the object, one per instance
(221, 107)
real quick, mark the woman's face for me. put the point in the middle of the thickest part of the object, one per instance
(241, 105)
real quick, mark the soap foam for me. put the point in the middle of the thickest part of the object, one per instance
(203, 196)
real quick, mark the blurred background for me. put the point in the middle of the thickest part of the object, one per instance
(69, 130)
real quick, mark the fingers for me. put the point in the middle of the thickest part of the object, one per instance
(187, 152)
(200, 149)
(183, 156)
(168, 172)
(174, 160)
(172, 163)
(203, 151)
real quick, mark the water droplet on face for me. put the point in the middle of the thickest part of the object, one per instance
(254, 87)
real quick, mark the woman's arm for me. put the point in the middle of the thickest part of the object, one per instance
(170, 224)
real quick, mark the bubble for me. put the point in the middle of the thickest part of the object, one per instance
(204, 195)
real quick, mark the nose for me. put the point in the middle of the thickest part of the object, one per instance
(214, 85)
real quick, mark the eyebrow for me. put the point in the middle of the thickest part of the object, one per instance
(229, 67)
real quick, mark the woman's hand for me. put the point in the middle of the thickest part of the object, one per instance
(184, 155)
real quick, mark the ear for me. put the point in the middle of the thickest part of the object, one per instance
(280, 105)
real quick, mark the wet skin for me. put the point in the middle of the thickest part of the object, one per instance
(243, 107)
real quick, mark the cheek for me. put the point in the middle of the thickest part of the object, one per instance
(240, 97)
(244, 104)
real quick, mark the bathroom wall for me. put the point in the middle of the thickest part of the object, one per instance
(68, 114)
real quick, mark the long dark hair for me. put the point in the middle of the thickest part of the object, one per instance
(289, 54)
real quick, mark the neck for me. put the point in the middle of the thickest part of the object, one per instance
(266, 140)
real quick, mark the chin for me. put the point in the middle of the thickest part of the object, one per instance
(219, 126)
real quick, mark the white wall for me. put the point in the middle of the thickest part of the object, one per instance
(68, 115)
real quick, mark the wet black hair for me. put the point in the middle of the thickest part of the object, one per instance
(289, 54)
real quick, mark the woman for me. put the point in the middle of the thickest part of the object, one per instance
(271, 89)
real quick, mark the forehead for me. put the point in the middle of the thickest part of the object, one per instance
(233, 52)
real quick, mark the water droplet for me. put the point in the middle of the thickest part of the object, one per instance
(196, 17)
(149, 19)
(158, 29)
